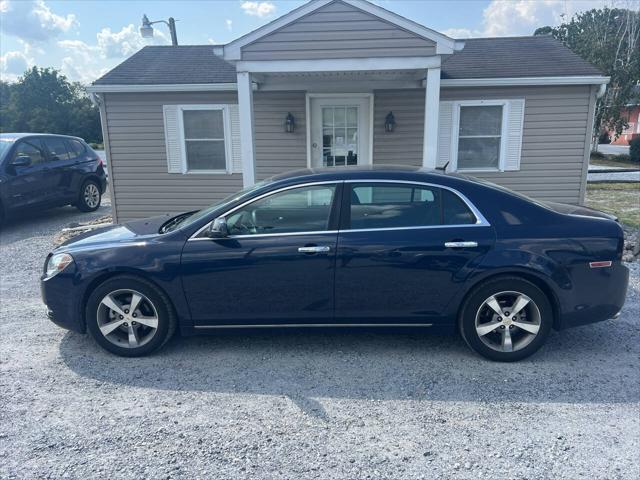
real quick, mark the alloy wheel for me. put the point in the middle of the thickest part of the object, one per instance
(91, 195)
(508, 321)
(127, 318)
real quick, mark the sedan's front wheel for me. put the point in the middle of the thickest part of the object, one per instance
(129, 316)
(506, 319)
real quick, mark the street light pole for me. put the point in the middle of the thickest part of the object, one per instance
(172, 29)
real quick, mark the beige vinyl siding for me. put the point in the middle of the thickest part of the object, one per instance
(140, 183)
(338, 30)
(557, 123)
(404, 145)
(276, 150)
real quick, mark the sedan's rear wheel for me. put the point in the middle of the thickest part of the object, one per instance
(506, 319)
(129, 316)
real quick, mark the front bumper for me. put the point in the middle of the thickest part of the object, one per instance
(62, 301)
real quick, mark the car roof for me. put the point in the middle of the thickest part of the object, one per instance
(17, 136)
(369, 172)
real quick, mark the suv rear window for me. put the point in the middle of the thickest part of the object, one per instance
(57, 149)
(76, 148)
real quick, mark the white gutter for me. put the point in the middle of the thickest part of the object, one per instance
(187, 87)
(516, 81)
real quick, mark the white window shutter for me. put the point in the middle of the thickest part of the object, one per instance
(515, 121)
(236, 155)
(445, 131)
(173, 138)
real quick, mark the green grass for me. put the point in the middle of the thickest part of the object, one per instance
(619, 199)
(613, 161)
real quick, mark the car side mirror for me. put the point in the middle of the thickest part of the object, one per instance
(21, 161)
(218, 228)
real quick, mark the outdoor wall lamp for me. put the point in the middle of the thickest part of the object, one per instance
(390, 123)
(146, 29)
(290, 123)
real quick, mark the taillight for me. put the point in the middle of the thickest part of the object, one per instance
(100, 162)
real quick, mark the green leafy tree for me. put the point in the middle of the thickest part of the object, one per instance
(43, 101)
(609, 38)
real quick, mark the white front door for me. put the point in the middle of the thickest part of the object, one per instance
(340, 131)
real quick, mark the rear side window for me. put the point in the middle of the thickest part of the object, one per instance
(398, 206)
(32, 149)
(57, 149)
(76, 148)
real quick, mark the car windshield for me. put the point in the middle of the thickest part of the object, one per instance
(187, 219)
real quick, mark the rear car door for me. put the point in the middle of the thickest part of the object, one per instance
(62, 169)
(404, 250)
(28, 185)
(275, 267)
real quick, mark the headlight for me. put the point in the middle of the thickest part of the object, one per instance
(57, 263)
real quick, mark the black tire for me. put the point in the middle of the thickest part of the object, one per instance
(166, 318)
(502, 287)
(86, 199)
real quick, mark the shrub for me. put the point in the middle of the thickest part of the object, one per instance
(623, 157)
(597, 155)
(604, 138)
(634, 149)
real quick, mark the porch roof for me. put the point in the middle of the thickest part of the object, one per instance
(485, 58)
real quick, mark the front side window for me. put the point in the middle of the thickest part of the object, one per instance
(57, 149)
(304, 209)
(479, 137)
(31, 149)
(204, 140)
(376, 206)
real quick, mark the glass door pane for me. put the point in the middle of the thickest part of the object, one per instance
(339, 136)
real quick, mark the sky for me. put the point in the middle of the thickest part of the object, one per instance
(86, 38)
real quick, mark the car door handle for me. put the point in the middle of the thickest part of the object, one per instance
(315, 249)
(461, 244)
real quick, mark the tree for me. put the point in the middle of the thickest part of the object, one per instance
(43, 101)
(609, 38)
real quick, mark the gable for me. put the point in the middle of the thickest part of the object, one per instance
(338, 30)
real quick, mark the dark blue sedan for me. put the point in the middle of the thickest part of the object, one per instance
(353, 247)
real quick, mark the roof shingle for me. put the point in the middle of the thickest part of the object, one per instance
(503, 57)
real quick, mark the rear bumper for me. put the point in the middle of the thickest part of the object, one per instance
(598, 295)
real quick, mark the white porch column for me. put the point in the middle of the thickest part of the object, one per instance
(431, 116)
(247, 144)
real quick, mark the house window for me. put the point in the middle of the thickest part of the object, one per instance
(205, 139)
(480, 133)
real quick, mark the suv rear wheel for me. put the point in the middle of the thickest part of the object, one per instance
(90, 196)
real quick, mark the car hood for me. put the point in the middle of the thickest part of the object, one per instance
(127, 233)
(578, 210)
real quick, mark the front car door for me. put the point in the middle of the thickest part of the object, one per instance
(275, 267)
(28, 185)
(404, 251)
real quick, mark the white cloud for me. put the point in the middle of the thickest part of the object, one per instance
(13, 65)
(126, 42)
(258, 9)
(460, 33)
(523, 17)
(229, 24)
(33, 21)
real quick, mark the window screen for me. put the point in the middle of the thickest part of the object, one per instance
(479, 137)
(204, 140)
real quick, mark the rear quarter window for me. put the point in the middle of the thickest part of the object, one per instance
(76, 148)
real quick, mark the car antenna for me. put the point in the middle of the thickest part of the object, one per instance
(443, 168)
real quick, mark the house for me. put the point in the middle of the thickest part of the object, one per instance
(343, 82)
(631, 113)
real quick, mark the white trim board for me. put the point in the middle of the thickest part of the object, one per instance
(339, 64)
(444, 44)
(173, 87)
(499, 82)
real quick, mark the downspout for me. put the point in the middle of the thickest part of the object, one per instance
(98, 99)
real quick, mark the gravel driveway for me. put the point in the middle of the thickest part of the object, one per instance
(305, 404)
